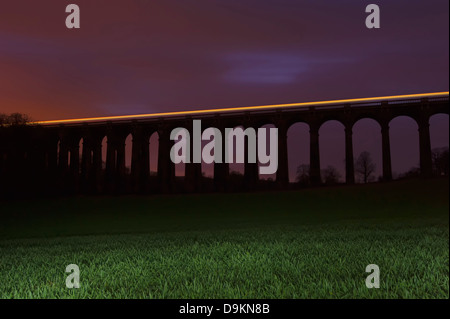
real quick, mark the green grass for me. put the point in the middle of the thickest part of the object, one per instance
(302, 244)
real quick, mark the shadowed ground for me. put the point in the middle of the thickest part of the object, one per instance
(311, 243)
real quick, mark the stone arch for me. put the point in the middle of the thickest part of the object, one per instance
(327, 119)
(365, 116)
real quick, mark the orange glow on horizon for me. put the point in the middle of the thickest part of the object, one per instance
(244, 108)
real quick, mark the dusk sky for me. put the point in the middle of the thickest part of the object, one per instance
(142, 56)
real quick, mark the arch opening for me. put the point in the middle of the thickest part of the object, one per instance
(332, 152)
(298, 153)
(367, 151)
(404, 141)
(439, 138)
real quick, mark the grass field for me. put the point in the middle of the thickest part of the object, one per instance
(313, 243)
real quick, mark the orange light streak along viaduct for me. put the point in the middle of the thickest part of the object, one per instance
(48, 152)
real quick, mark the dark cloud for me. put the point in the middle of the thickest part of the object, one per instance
(144, 56)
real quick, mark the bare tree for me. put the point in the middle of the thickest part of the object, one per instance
(18, 119)
(303, 174)
(440, 161)
(365, 166)
(331, 175)
(413, 172)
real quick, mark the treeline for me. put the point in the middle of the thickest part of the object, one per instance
(14, 119)
(365, 170)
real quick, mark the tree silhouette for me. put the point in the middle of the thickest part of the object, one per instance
(303, 174)
(14, 119)
(440, 161)
(331, 175)
(365, 166)
(3, 119)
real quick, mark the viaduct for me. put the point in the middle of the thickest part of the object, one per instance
(44, 157)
